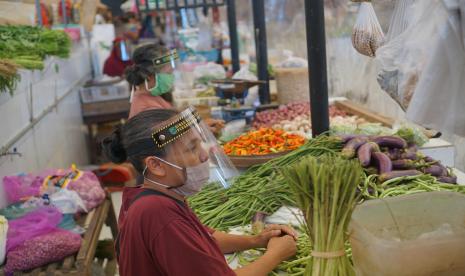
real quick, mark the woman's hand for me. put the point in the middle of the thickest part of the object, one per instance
(273, 231)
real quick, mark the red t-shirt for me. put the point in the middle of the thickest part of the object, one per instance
(161, 236)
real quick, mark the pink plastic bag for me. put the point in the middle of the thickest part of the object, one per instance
(18, 187)
(33, 224)
(85, 183)
(47, 248)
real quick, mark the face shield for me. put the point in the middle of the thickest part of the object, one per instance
(165, 74)
(167, 63)
(192, 150)
(125, 56)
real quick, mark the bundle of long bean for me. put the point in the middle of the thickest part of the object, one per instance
(325, 189)
(261, 188)
(405, 185)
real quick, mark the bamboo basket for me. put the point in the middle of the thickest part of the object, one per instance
(292, 84)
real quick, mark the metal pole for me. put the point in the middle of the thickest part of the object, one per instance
(233, 38)
(261, 51)
(316, 49)
(63, 12)
(139, 12)
(39, 13)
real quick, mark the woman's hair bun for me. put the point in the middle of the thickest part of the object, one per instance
(113, 147)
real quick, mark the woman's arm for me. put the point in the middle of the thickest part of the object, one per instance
(229, 243)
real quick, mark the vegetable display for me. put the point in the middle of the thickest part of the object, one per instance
(27, 47)
(260, 188)
(392, 157)
(289, 113)
(263, 141)
(325, 189)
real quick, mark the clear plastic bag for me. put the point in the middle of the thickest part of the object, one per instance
(401, 18)
(210, 71)
(439, 97)
(367, 35)
(67, 201)
(3, 235)
(405, 56)
(20, 187)
(41, 250)
(31, 225)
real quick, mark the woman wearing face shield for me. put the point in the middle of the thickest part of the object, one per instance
(118, 60)
(159, 234)
(152, 81)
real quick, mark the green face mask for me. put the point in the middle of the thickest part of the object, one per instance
(163, 84)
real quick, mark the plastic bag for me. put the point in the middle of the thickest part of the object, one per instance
(47, 248)
(68, 223)
(367, 35)
(405, 56)
(85, 183)
(246, 74)
(32, 225)
(3, 235)
(210, 71)
(401, 18)
(20, 187)
(439, 98)
(67, 201)
(16, 210)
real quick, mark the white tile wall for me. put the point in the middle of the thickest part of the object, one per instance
(57, 140)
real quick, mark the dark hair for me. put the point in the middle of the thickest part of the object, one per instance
(143, 66)
(133, 141)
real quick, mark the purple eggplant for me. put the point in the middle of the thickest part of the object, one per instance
(383, 162)
(390, 141)
(395, 174)
(347, 137)
(448, 179)
(409, 155)
(351, 147)
(403, 164)
(435, 170)
(393, 153)
(429, 159)
(365, 151)
(258, 222)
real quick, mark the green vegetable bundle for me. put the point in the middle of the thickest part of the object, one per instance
(261, 188)
(8, 76)
(27, 47)
(325, 189)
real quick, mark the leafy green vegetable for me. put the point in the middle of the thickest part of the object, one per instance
(27, 47)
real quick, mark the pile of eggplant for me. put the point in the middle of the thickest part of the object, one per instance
(391, 157)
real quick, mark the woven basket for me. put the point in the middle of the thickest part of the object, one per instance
(292, 85)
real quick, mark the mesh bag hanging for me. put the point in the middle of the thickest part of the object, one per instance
(367, 35)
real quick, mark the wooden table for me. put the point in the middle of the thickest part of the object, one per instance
(81, 263)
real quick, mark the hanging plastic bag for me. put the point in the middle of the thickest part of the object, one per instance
(404, 57)
(38, 251)
(367, 35)
(32, 225)
(3, 235)
(20, 187)
(439, 97)
(401, 18)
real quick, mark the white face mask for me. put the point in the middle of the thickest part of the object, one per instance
(196, 178)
